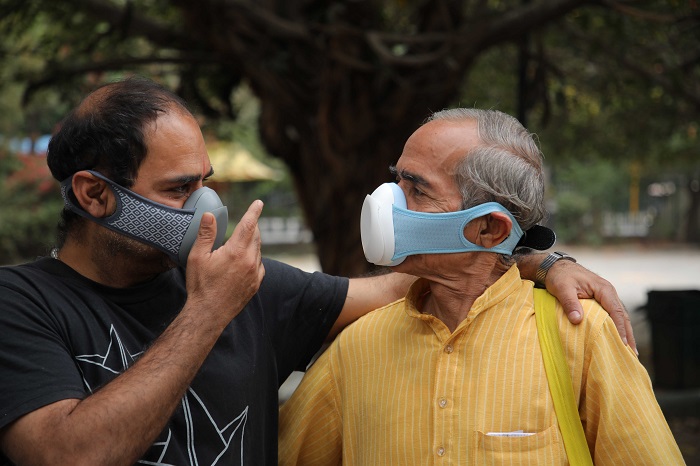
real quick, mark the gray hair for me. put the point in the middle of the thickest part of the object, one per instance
(506, 167)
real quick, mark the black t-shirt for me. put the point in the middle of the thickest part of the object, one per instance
(63, 336)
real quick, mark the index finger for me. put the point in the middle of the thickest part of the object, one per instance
(247, 227)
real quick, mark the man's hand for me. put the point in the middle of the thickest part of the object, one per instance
(224, 280)
(569, 282)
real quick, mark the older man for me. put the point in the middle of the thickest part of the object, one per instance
(453, 373)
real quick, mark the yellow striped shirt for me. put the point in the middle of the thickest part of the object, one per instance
(397, 388)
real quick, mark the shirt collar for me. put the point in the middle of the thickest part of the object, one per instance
(508, 283)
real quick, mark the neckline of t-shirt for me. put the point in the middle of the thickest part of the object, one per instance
(131, 294)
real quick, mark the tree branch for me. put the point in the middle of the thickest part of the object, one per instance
(130, 22)
(636, 12)
(623, 60)
(415, 60)
(507, 27)
(518, 21)
(58, 72)
(272, 23)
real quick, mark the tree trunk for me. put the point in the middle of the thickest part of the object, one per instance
(338, 152)
(340, 96)
(332, 115)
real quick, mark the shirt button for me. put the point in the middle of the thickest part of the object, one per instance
(449, 349)
(442, 403)
(441, 451)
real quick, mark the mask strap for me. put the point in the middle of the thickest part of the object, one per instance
(437, 233)
(160, 226)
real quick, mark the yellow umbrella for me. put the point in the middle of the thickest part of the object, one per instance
(232, 163)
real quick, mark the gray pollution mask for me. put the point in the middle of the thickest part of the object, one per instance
(166, 228)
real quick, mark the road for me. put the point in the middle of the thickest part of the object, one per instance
(634, 270)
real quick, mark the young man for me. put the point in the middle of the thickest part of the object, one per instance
(112, 352)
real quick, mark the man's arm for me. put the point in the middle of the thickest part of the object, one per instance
(566, 280)
(369, 293)
(119, 422)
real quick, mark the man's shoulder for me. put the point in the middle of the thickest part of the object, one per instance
(11, 268)
(25, 273)
(43, 276)
(594, 316)
(582, 334)
(392, 317)
(35, 291)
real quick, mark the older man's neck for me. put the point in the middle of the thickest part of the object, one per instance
(452, 297)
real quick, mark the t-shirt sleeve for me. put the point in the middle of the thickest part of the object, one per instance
(301, 308)
(36, 368)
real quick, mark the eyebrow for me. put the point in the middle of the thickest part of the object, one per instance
(192, 178)
(408, 176)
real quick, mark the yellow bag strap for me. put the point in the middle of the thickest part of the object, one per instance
(559, 380)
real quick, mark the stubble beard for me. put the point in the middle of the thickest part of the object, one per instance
(122, 250)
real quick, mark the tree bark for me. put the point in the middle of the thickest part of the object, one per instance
(339, 150)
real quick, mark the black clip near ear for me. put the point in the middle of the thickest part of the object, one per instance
(538, 237)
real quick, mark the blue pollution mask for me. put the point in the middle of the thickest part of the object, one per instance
(390, 232)
(167, 229)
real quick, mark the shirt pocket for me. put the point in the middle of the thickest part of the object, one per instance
(544, 447)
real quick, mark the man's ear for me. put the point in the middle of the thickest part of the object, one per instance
(490, 230)
(93, 194)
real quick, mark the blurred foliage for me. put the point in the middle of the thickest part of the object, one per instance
(279, 196)
(584, 191)
(29, 211)
(598, 113)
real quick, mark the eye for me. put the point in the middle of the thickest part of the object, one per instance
(181, 190)
(410, 187)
